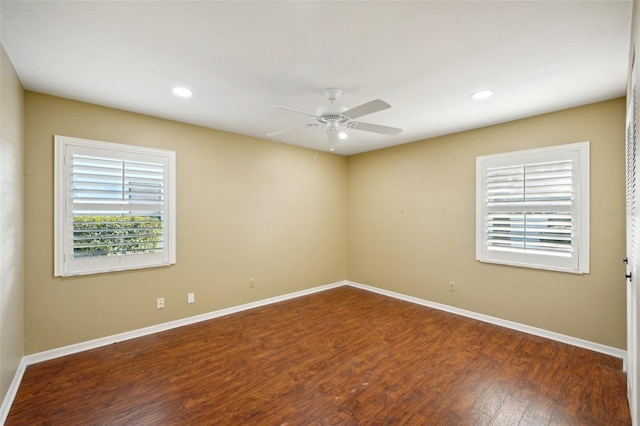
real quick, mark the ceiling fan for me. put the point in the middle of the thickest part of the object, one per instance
(333, 117)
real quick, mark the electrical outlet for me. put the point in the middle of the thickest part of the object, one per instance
(191, 298)
(452, 286)
(251, 283)
(160, 303)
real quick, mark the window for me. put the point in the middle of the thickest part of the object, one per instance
(532, 208)
(114, 207)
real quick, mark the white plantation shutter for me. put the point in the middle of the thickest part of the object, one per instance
(518, 206)
(114, 207)
(631, 178)
(124, 200)
(533, 208)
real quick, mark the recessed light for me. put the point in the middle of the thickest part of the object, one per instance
(483, 94)
(183, 92)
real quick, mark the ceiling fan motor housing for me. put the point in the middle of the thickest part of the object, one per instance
(332, 114)
(330, 111)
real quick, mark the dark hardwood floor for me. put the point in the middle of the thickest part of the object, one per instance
(341, 357)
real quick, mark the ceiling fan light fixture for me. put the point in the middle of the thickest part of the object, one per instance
(343, 135)
(182, 92)
(482, 94)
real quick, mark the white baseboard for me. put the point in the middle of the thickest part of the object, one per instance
(12, 391)
(574, 341)
(108, 340)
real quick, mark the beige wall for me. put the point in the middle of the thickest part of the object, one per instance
(411, 225)
(246, 208)
(250, 208)
(11, 222)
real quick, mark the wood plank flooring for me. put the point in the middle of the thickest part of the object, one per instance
(341, 357)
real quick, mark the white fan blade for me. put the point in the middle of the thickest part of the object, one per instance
(376, 128)
(296, 110)
(290, 129)
(368, 108)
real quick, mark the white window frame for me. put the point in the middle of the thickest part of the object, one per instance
(65, 264)
(578, 260)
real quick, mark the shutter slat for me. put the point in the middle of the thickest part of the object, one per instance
(529, 231)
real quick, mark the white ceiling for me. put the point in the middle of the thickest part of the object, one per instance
(425, 58)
